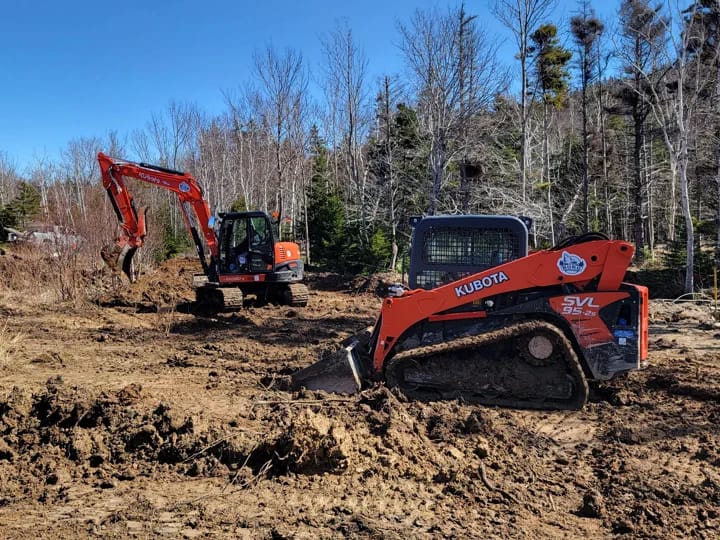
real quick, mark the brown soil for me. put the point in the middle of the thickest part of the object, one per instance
(119, 421)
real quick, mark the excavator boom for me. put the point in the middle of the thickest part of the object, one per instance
(195, 209)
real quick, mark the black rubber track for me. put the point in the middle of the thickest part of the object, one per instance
(294, 294)
(495, 368)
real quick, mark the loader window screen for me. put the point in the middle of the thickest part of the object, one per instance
(451, 253)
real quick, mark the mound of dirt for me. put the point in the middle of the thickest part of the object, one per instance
(681, 312)
(311, 444)
(64, 434)
(376, 284)
(167, 285)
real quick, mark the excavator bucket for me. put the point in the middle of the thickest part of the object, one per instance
(341, 372)
(120, 259)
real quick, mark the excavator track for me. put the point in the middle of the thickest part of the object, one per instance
(215, 300)
(527, 365)
(232, 298)
(294, 294)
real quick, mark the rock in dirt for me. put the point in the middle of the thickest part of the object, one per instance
(592, 505)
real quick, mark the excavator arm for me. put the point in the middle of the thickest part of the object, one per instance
(195, 210)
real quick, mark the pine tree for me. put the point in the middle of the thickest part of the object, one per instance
(551, 61)
(325, 215)
(586, 29)
(23, 208)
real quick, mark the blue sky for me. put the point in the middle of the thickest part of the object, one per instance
(76, 68)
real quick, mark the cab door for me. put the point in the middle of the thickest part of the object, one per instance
(262, 252)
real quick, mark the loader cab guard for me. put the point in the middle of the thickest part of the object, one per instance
(447, 248)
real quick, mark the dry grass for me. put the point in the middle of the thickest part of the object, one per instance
(10, 341)
(46, 274)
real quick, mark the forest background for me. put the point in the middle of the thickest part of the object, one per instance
(602, 125)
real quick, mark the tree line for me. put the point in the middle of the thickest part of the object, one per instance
(603, 125)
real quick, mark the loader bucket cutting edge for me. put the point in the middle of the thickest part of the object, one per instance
(341, 372)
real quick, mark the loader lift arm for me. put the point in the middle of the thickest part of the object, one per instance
(195, 210)
(605, 264)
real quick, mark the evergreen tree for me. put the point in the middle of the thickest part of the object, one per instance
(397, 158)
(551, 61)
(586, 29)
(239, 205)
(174, 242)
(325, 215)
(21, 209)
(7, 219)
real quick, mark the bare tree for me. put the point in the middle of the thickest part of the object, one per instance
(345, 71)
(387, 173)
(522, 17)
(282, 99)
(641, 38)
(173, 133)
(8, 179)
(80, 164)
(452, 87)
(676, 98)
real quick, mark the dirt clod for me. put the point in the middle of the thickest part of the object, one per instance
(592, 505)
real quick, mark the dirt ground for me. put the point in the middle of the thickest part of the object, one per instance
(130, 417)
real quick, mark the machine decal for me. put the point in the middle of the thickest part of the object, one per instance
(571, 265)
(582, 311)
(576, 305)
(623, 335)
(184, 187)
(480, 284)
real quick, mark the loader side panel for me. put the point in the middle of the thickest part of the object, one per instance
(609, 327)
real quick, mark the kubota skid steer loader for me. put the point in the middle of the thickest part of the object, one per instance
(487, 322)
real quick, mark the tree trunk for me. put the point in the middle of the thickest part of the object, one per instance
(637, 184)
(690, 241)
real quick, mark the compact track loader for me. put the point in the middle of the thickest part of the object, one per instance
(486, 322)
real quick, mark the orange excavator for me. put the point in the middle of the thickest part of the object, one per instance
(245, 257)
(486, 322)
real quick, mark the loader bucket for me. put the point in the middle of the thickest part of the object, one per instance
(341, 372)
(120, 259)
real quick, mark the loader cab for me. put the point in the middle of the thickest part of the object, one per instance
(246, 243)
(447, 248)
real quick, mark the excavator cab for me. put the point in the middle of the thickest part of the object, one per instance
(246, 243)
